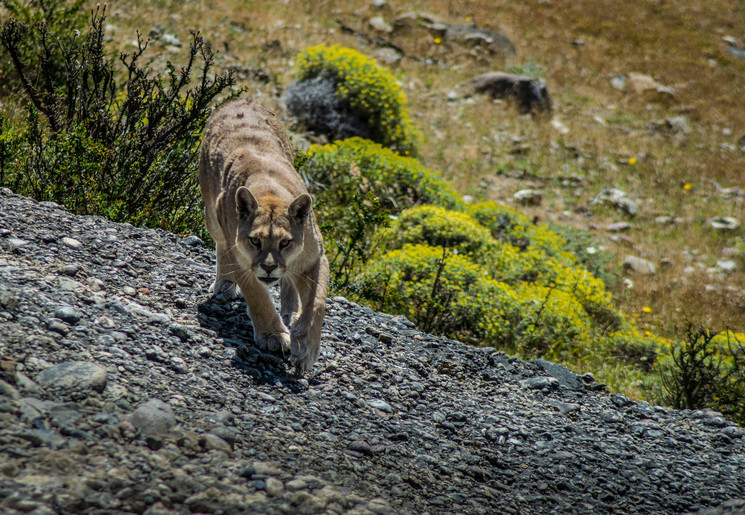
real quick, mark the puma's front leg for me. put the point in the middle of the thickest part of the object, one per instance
(312, 288)
(288, 302)
(224, 283)
(269, 331)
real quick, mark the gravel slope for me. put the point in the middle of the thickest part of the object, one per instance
(125, 388)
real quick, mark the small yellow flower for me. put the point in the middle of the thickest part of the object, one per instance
(632, 161)
(438, 41)
(687, 186)
(647, 333)
(468, 19)
(647, 309)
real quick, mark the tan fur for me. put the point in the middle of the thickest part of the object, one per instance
(258, 211)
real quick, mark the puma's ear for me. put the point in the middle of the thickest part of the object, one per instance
(300, 207)
(245, 202)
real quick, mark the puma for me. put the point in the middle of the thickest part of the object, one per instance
(258, 211)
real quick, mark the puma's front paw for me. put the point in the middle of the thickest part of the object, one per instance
(304, 353)
(225, 287)
(273, 342)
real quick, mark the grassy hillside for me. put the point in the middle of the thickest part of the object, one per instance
(488, 150)
(677, 154)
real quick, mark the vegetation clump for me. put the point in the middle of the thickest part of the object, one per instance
(443, 293)
(358, 185)
(368, 92)
(706, 369)
(97, 144)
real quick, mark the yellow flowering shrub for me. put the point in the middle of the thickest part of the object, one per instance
(553, 323)
(371, 91)
(511, 226)
(398, 182)
(456, 230)
(437, 226)
(448, 294)
(534, 266)
(443, 293)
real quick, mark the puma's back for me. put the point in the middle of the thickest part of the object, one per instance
(258, 211)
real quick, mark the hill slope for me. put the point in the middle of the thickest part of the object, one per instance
(169, 407)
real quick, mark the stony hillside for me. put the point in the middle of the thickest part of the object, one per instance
(126, 389)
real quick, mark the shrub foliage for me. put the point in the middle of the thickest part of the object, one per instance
(367, 91)
(126, 151)
(705, 369)
(358, 185)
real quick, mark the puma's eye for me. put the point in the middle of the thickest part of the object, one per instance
(284, 243)
(256, 242)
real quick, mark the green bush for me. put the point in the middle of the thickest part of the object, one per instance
(438, 227)
(60, 17)
(629, 345)
(443, 293)
(553, 323)
(511, 226)
(371, 92)
(125, 151)
(358, 186)
(705, 370)
(461, 233)
(338, 170)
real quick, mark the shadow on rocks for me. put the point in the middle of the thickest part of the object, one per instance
(229, 320)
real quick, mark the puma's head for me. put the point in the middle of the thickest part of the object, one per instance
(270, 233)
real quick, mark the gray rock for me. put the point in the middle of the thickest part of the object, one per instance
(618, 227)
(68, 314)
(617, 199)
(530, 95)
(380, 405)
(74, 374)
(566, 377)
(470, 35)
(71, 242)
(540, 383)
(154, 418)
(171, 40)
(379, 24)
(528, 197)
(193, 241)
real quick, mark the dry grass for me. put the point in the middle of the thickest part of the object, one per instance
(485, 148)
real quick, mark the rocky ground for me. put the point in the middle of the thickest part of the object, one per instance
(125, 388)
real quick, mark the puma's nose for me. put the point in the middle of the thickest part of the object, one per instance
(268, 268)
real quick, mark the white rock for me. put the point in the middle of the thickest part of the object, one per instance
(528, 197)
(724, 223)
(726, 265)
(639, 265)
(379, 24)
(71, 242)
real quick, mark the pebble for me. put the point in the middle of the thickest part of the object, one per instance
(380, 405)
(68, 314)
